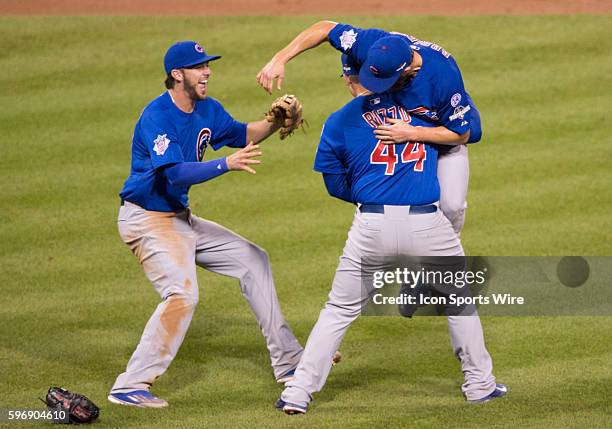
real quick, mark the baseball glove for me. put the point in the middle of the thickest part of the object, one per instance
(286, 112)
(78, 407)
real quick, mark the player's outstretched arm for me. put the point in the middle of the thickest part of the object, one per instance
(260, 130)
(285, 113)
(399, 131)
(275, 69)
(193, 173)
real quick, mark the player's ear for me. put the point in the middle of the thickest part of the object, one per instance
(177, 75)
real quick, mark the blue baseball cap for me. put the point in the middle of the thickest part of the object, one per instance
(386, 60)
(349, 68)
(186, 54)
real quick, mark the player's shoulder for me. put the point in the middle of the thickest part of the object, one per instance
(346, 113)
(159, 114)
(428, 48)
(341, 28)
(439, 74)
(344, 36)
(436, 60)
(335, 123)
(158, 107)
(332, 126)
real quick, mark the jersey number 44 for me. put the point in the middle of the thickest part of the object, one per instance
(385, 154)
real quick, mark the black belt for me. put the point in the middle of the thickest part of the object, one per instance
(379, 208)
(126, 201)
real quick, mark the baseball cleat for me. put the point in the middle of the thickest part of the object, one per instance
(137, 398)
(292, 409)
(500, 390)
(289, 408)
(290, 375)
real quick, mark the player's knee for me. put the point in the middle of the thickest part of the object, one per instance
(188, 295)
(188, 299)
(256, 254)
(342, 310)
(191, 299)
(253, 262)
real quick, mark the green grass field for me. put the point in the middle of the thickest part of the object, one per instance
(74, 300)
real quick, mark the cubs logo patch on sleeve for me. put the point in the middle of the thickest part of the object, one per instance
(347, 39)
(160, 144)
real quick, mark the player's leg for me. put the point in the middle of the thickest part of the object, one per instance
(433, 235)
(453, 176)
(164, 244)
(467, 342)
(346, 299)
(224, 252)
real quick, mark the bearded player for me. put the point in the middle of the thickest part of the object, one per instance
(155, 221)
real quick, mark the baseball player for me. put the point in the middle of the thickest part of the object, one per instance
(428, 85)
(397, 193)
(168, 146)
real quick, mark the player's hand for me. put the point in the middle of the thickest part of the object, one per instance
(275, 69)
(243, 158)
(397, 131)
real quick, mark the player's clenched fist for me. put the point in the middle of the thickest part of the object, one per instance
(240, 160)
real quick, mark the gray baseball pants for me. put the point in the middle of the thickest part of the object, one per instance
(453, 176)
(394, 233)
(169, 246)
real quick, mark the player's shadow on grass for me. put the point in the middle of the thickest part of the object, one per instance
(434, 382)
(226, 344)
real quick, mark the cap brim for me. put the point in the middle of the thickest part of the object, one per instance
(373, 83)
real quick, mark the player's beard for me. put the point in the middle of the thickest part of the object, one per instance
(192, 92)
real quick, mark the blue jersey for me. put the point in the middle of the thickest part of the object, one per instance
(166, 135)
(437, 93)
(401, 174)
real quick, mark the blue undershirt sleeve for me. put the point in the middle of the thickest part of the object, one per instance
(338, 187)
(192, 173)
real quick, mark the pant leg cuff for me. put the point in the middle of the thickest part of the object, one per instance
(296, 395)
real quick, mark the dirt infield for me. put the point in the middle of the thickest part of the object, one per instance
(299, 7)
